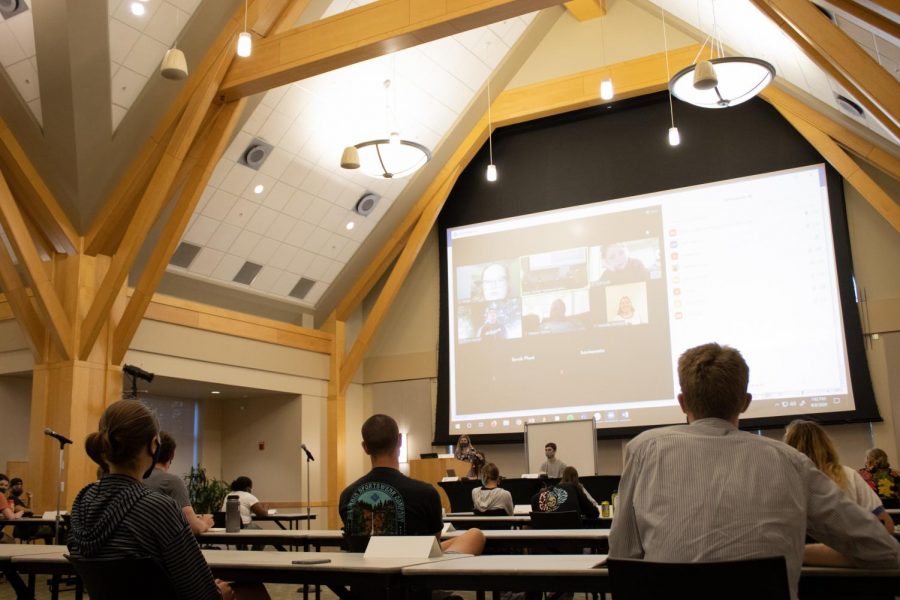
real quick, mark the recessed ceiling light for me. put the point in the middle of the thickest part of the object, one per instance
(137, 9)
(259, 188)
(215, 392)
(350, 225)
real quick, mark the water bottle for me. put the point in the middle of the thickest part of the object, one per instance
(232, 514)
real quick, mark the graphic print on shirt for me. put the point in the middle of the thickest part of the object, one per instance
(376, 509)
(550, 500)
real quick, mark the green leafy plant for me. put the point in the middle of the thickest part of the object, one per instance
(206, 494)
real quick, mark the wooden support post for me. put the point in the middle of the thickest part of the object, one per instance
(21, 306)
(336, 422)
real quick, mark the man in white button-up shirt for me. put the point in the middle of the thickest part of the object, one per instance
(707, 492)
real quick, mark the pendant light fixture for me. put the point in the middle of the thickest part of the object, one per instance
(174, 64)
(606, 84)
(674, 136)
(245, 40)
(491, 173)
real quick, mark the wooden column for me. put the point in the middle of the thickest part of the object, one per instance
(336, 423)
(69, 396)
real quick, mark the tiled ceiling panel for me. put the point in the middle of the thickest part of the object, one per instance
(17, 56)
(140, 32)
(292, 215)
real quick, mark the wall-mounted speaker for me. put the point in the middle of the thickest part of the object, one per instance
(366, 204)
(849, 106)
(256, 154)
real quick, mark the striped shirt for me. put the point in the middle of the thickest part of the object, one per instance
(709, 492)
(118, 517)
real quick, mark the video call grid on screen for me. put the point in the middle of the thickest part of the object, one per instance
(582, 312)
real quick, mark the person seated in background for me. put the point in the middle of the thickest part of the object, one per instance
(709, 492)
(20, 500)
(118, 517)
(387, 502)
(810, 439)
(17, 496)
(490, 497)
(553, 466)
(883, 480)
(242, 487)
(173, 486)
(568, 494)
(7, 510)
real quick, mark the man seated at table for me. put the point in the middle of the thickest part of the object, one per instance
(7, 510)
(387, 502)
(708, 492)
(173, 486)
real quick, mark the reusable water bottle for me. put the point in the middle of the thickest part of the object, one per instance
(232, 514)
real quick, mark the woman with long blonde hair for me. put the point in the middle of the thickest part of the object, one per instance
(810, 439)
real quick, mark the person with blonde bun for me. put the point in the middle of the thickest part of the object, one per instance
(118, 517)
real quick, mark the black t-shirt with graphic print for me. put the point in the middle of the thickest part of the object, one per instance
(564, 496)
(387, 502)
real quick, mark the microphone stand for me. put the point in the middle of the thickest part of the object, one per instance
(308, 522)
(59, 489)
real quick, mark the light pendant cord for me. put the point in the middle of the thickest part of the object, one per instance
(490, 123)
(668, 76)
(245, 14)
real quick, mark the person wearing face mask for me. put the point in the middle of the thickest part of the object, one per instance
(490, 498)
(7, 510)
(118, 517)
(173, 486)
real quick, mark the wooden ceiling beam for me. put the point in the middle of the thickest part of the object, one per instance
(152, 202)
(867, 15)
(35, 197)
(222, 127)
(833, 50)
(48, 303)
(277, 16)
(20, 303)
(849, 169)
(360, 34)
(585, 10)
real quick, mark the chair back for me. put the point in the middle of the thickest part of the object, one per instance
(632, 579)
(564, 519)
(141, 578)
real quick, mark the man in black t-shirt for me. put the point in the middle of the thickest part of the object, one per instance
(387, 502)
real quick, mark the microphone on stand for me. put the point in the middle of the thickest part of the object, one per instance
(60, 437)
(309, 455)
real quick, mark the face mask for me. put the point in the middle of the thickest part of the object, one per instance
(155, 460)
(17, 492)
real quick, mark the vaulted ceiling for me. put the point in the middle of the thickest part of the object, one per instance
(81, 92)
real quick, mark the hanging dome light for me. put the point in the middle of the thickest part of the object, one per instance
(722, 82)
(386, 158)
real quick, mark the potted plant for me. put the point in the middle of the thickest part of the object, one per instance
(206, 494)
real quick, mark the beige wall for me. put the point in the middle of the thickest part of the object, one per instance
(15, 408)
(14, 354)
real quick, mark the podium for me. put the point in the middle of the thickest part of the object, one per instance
(432, 470)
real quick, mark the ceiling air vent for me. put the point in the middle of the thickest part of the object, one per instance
(9, 8)
(849, 106)
(184, 254)
(256, 153)
(302, 288)
(247, 273)
(366, 204)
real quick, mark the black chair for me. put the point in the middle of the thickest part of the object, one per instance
(564, 519)
(140, 578)
(751, 579)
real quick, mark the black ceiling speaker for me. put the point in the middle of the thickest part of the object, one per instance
(256, 153)
(849, 106)
(9, 8)
(366, 204)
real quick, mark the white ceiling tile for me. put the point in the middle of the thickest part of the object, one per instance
(281, 227)
(348, 251)
(126, 85)
(22, 28)
(295, 136)
(275, 127)
(237, 179)
(228, 267)
(315, 292)
(301, 262)
(188, 6)
(350, 195)
(432, 77)
(294, 100)
(262, 220)
(166, 24)
(334, 245)
(202, 229)
(123, 13)
(145, 56)
(276, 163)
(284, 284)
(262, 179)
(237, 146)
(332, 189)
(223, 237)
(219, 205)
(283, 256)
(219, 173)
(241, 213)
(257, 119)
(35, 106)
(264, 251)
(266, 278)
(25, 79)
(121, 40)
(318, 267)
(207, 260)
(298, 203)
(10, 50)
(118, 113)
(316, 211)
(314, 182)
(316, 241)
(332, 271)
(244, 244)
(278, 196)
(273, 97)
(208, 191)
(516, 28)
(336, 218)
(299, 234)
(296, 172)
